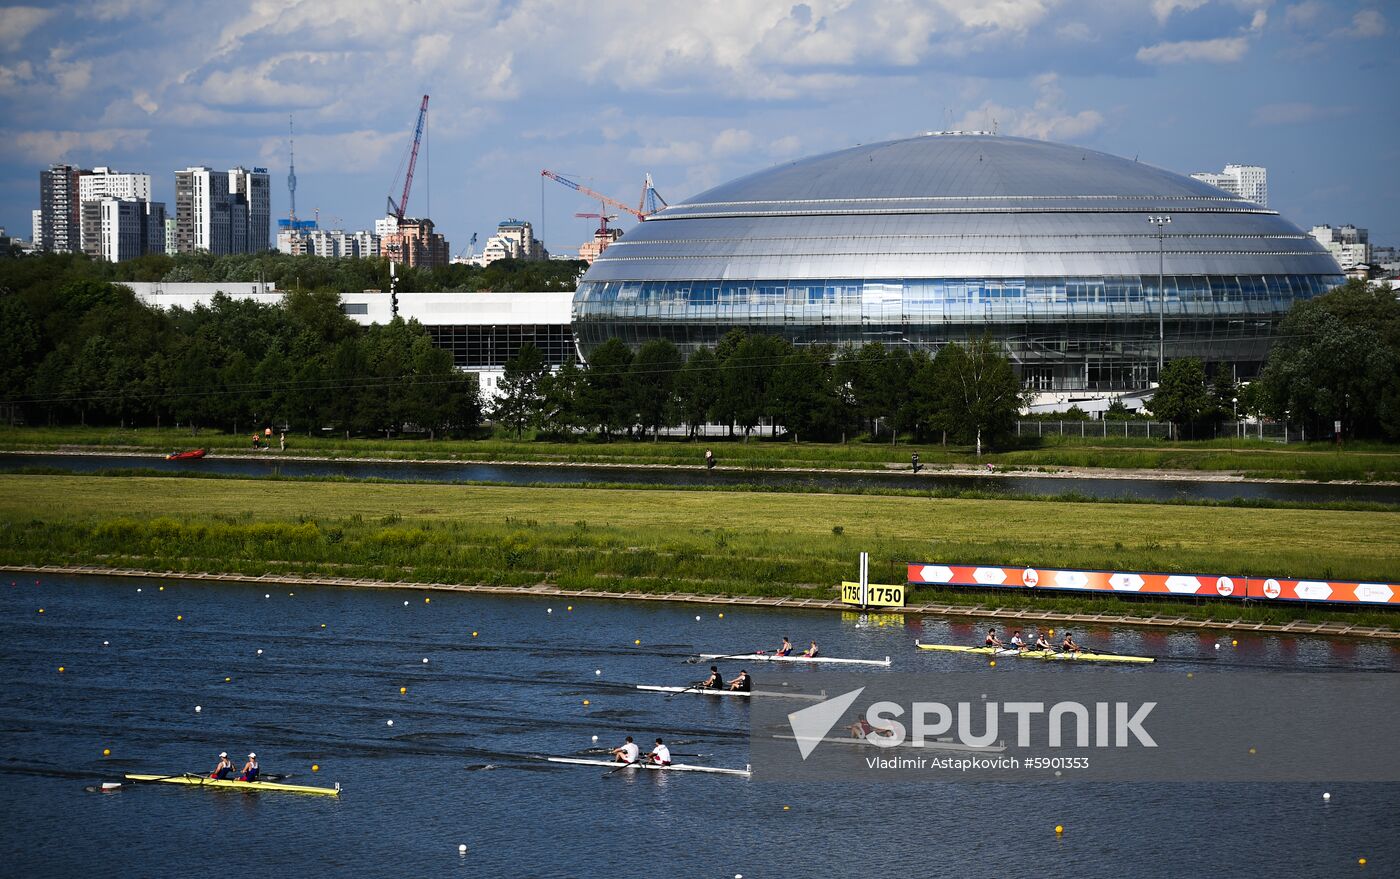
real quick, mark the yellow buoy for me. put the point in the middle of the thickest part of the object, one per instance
(403, 690)
(1190, 674)
(106, 752)
(60, 669)
(1052, 632)
(1361, 861)
(427, 601)
(315, 767)
(1059, 828)
(1251, 750)
(787, 808)
(585, 701)
(179, 617)
(993, 663)
(41, 610)
(638, 641)
(227, 680)
(162, 589)
(721, 616)
(1234, 643)
(473, 634)
(323, 625)
(571, 607)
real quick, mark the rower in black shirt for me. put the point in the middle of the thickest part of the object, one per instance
(714, 682)
(743, 683)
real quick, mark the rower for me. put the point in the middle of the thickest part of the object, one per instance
(660, 754)
(224, 769)
(250, 769)
(628, 753)
(863, 728)
(1069, 646)
(714, 682)
(1016, 641)
(743, 683)
(786, 649)
(1043, 643)
(810, 651)
(992, 639)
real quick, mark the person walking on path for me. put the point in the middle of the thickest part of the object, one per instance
(709, 460)
(282, 440)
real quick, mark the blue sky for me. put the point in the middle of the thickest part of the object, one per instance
(694, 92)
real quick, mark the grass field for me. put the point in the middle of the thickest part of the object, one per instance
(1246, 457)
(660, 540)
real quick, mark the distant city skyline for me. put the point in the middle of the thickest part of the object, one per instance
(695, 95)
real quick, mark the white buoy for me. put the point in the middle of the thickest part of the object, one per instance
(697, 617)
(549, 610)
(595, 738)
(267, 595)
(1327, 796)
(390, 722)
(425, 660)
(405, 604)
(597, 671)
(260, 651)
(1217, 646)
(198, 708)
(138, 588)
(104, 643)
(462, 848)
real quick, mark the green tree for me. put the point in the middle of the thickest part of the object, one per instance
(563, 391)
(652, 380)
(803, 394)
(604, 403)
(520, 392)
(697, 389)
(983, 389)
(1181, 396)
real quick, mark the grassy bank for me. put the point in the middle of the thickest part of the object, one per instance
(1236, 457)
(661, 540)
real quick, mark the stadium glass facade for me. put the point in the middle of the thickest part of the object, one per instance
(947, 237)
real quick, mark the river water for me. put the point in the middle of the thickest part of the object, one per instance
(522, 474)
(454, 768)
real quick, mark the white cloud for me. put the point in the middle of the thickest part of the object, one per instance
(783, 147)
(1220, 50)
(1046, 119)
(1364, 24)
(1293, 113)
(71, 77)
(1163, 9)
(16, 78)
(52, 146)
(18, 22)
(345, 152)
(731, 141)
(1302, 15)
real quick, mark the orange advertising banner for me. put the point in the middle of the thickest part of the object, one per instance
(1217, 586)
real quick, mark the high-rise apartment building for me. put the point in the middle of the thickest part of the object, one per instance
(416, 245)
(1349, 246)
(60, 207)
(36, 227)
(1250, 182)
(514, 239)
(103, 182)
(130, 228)
(222, 211)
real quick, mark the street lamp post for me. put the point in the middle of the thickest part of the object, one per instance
(1160, 222)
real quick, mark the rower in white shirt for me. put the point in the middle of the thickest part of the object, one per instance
(628, 753)
(660, 754)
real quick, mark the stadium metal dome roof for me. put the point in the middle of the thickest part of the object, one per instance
(959, 205)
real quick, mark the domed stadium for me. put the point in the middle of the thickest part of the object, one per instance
(1052, 249)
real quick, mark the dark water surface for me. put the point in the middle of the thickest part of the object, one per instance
(452, 770)
(521, 474)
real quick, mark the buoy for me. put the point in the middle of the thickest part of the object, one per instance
(721, 616)
(427, 601)
(1217, 646)
(403, 690)
(473, 634)
(323, 625)
(1361, 861)
(595, 738)
(1059, 828)
(697, 617)
(638, 641)
(227, 680)
(549, 610)
(260, 651)
(597, 671)
(60, 669)
(1251, 750)
(1052, 631)
(586, 702)
(179, 617)
(104, 643)
(315, 767)
(1234, 643)
(1190, 674)
(571, 607)
(267, 595)
(198, 708)
(1326, 795)
(787, 808)
(289, 594)
(462, 848)
(41, 610)
(993, 663)
(106, 752)
(425, 660)
(162, 589)
(390, 722)
(138, 588)
(405, 604)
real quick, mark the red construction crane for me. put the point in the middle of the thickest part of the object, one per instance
(578, 187)
(602, 221)
(396, 210)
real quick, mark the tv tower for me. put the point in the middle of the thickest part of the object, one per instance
(292, 170)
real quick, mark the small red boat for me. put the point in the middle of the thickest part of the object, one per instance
(185, 456)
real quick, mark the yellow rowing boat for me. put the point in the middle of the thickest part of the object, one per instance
(206, 781)
(1052, 655)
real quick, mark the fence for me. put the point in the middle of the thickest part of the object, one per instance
(1259, 430)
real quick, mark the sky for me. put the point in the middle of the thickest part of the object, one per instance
(695, 93)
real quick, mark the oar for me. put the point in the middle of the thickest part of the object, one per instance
(696, 660)
(621, 767)
(686, 690)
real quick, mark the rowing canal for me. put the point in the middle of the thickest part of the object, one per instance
(455, 766)
(547, 474)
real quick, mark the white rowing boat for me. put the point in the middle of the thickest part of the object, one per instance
(744, 694)
(770, 657)
(674, 767)
(936, 745)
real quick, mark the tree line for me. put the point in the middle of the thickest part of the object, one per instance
(968, 393)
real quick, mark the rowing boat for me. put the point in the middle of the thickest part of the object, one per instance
(770, 657)
(1050, 655)
(701, 691)
(206, 781)
(928, 745)
(674, 767)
